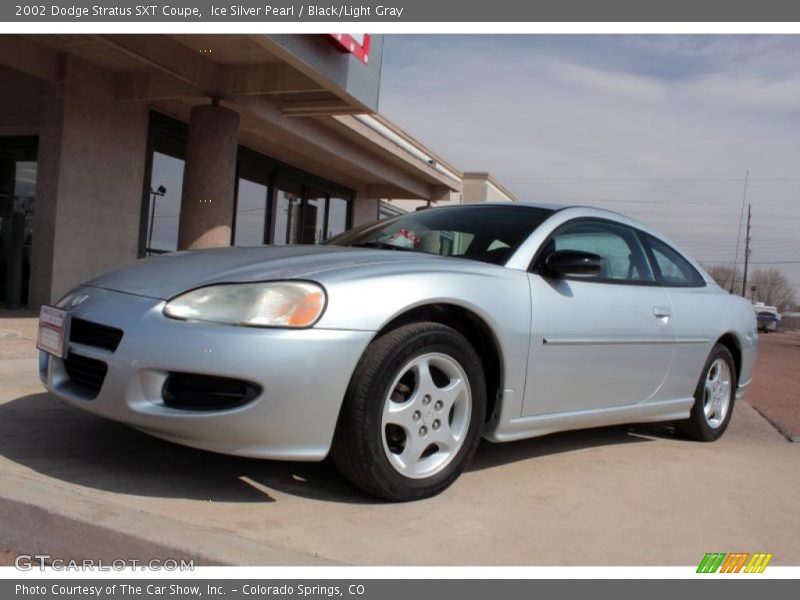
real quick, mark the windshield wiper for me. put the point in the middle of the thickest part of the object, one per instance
(381, 245)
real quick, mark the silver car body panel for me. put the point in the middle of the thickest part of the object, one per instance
(303, 374)
(573, 354)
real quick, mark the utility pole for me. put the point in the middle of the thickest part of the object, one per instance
(746, 254)
(739, 234)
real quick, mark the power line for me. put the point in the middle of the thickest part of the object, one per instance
(752, 262)
(649, 179)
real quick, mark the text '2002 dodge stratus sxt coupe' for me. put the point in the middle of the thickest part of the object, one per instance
(396, 346)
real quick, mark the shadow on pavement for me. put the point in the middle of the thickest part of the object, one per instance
(493, 455)
(39, 432)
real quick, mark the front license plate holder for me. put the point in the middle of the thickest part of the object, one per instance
(53, 336)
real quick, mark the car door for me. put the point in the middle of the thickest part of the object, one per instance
(602, 341)
(696, 311)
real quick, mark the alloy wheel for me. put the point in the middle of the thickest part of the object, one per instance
(426, 415)
(717, 393)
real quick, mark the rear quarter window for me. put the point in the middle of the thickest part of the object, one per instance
(674, 269)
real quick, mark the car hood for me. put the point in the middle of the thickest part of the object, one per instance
(167, 275)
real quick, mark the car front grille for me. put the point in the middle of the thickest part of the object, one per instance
(86, 373)
(94, 334)
(190, 391)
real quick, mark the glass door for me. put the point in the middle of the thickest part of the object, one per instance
(17, 196)
(253, 192)
(314, 215)
(288, 221)
(308, 213)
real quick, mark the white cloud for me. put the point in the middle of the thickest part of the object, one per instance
(659, 127)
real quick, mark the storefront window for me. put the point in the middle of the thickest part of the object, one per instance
(338, 213)
(17, 197)
(314, 217)
(307, 214)
(251, 213)
(287, 213)
(166, 186)
(24, 197)
(275, 203)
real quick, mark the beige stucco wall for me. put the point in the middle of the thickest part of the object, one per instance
(474, 189)
(365, 207)
(481, 189)
(91, 168)
(89, 182)
(92, 153)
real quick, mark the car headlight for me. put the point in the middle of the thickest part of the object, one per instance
(270, 304)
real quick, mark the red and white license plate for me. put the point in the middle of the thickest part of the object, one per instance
(53, 330)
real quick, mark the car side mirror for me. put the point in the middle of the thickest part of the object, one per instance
(573, 263)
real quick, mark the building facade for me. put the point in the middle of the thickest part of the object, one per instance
(116, 147)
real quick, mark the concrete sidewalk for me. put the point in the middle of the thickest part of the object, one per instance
(18, 330)
(75, 485)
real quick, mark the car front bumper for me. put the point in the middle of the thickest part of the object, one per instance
(302, 375)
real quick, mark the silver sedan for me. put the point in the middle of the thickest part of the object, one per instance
(398, 345)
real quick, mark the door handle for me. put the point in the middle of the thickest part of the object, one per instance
(662, 311)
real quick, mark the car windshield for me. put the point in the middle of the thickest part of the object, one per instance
(487, 233)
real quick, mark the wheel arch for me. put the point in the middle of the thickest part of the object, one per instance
(734, 346)
(469, 324)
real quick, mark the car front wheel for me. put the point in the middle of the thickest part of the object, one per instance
(413, 414)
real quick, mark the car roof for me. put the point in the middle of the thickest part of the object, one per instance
(589, 212)
(555, 207)
(541, 205)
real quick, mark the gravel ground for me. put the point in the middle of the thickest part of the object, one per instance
(775, 391)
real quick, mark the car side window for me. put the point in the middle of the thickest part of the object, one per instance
(622, 255)
(675, 270)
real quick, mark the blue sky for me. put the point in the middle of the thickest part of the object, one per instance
(662, 128)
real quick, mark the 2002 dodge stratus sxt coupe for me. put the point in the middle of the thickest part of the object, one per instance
(397, 345)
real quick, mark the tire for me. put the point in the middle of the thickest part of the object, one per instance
(393, 413)
(713, 400)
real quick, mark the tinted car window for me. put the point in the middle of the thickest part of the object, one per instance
(486, 233)
(675, 270)
(622, 254)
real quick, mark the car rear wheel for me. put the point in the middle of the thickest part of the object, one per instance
(714, 398)
(413, 415)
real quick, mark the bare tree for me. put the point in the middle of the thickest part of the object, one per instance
(725, 276)
(773, 288)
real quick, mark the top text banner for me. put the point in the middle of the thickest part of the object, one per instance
(151, 11)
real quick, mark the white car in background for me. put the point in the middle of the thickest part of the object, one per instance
(767, 317)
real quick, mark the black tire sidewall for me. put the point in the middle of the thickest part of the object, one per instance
(441, 340)
(709, 433)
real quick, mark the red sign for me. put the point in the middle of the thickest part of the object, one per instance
(356, 44)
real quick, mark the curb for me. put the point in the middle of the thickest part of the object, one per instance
(61, 523)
